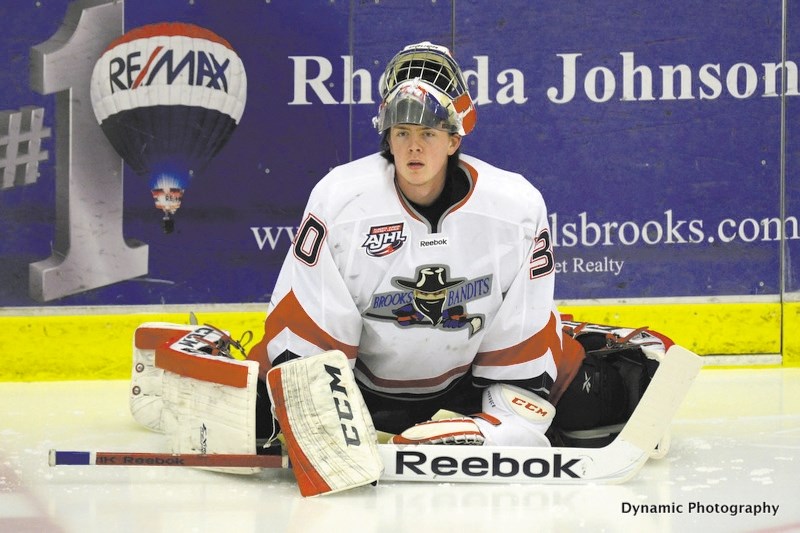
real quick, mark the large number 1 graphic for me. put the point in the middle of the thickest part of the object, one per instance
(89, 250)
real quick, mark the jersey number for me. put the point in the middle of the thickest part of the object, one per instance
(542, 262)
(309, 240)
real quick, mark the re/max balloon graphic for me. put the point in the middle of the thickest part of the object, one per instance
(168, 97)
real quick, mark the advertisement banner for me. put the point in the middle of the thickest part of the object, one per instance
(653, 132)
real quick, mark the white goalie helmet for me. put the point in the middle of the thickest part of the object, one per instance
(422, 84)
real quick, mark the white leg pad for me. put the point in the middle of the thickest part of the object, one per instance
(146, 403)
(330, 438)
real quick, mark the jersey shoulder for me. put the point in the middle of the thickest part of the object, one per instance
(359, 182)
(355, 174)
(502, 191)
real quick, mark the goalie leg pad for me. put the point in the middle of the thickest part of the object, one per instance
(330, 438)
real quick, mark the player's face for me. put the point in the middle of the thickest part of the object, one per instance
(420, 160)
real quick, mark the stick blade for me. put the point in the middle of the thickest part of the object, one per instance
(672, 381)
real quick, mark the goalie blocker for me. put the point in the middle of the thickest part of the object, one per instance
(617, 369)
(185, 383)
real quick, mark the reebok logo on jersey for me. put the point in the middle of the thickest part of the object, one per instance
(384, 240)
(433, 241)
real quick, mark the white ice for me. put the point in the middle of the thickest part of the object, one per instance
(735, 440)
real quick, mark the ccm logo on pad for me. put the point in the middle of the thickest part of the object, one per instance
(528, 405)
(344, 409)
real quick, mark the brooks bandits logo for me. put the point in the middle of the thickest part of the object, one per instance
(431, 299)
(383, 240)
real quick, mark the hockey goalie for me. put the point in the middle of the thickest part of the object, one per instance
(433, 272)
(420, 282)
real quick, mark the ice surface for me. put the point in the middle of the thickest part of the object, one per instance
(735, 442)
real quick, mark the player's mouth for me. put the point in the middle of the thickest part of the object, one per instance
(415, 165)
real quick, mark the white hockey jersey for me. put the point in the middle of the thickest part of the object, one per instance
(415, 309)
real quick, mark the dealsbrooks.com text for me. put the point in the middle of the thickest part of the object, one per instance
(668, 229)
(582, 230)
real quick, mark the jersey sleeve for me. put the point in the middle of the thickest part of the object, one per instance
(311, 309)
(524, 339)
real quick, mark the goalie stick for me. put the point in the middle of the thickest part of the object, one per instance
(617, 462)
(60, 457)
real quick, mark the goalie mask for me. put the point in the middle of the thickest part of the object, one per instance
(423, 85)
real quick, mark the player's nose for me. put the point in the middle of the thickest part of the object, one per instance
(415, 145)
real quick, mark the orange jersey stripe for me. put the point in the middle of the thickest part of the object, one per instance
(528, 350)
(290, 314)
(567, 365)
(474, 178)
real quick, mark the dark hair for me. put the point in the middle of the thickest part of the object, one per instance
(386, 153)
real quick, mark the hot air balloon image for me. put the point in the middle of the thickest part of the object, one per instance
(168, 96)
